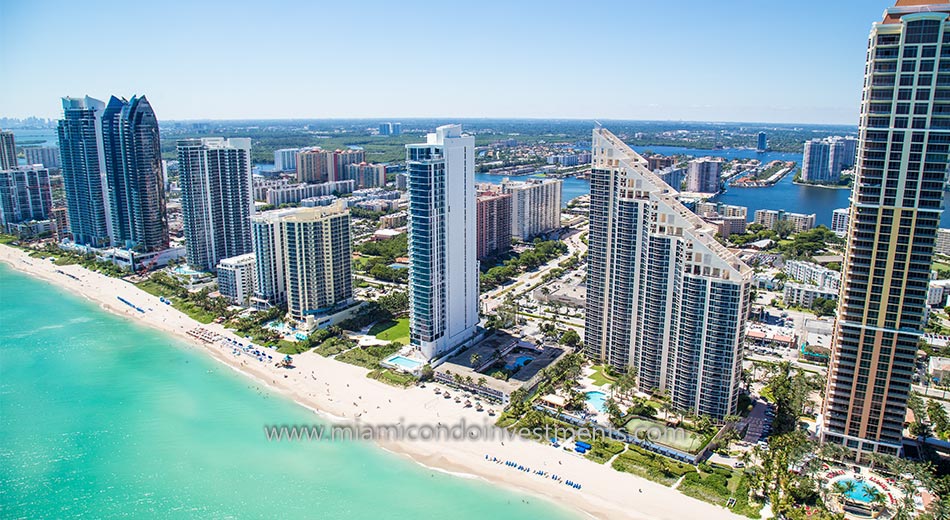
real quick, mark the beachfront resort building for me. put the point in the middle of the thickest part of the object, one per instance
(25, 195)
(443, 272)
(268, 241)
(303, 259)
(895, 212)
(704, 175)
(317, 258)
(112, 173)
(236, 278)
(80, 139)
(7, 150)
(494, 223)
(664, 298)
(132, 154)
(216, 202)
(535, 206)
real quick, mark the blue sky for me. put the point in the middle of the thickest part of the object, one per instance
(730, 60)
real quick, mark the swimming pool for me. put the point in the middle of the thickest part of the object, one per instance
(596, 400)
(520, 361)
(861, 492)
(404, 362)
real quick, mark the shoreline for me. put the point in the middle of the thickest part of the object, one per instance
(825, 186)
(336, 391)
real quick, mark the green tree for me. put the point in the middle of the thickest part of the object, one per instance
(784, 228)
(570, 338)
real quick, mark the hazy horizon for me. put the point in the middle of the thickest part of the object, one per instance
(288, 59)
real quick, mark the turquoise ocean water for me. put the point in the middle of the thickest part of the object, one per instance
(102, 418)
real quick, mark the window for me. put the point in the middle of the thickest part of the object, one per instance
(922, 31)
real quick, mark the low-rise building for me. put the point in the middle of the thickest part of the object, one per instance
(814, 274)
(294, 193)
(768, 218)
(939, 368)
(393, 220)
(839, 221)
(237, 278)
(938, 293)
(942, 246)
(804, 295)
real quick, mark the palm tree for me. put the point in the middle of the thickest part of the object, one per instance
(849, 487)
(481, 381)
(475, 358)
(458, 379)
(839, 488)
(468, 380)
(877, 498)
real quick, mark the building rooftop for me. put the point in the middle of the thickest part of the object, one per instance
(702, 231)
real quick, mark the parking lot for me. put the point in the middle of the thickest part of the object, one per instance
(759, 422)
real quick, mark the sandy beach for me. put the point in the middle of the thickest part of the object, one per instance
(342, 392)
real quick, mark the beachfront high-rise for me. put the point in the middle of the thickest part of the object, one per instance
(216, 200)
(664, 298)
(132, 153)
(443, 270)
(7, 150)
(900, 175)
(762, 142)
(268, 241)
(25, 195)
(317, 258)
(80, 147)
(236, 278)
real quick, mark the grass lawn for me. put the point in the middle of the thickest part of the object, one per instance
(651, 466)
(717, 484)
(603, 449)
(600, 376)
(391, 377)
(196, 313)
(678, 439)
(333, 346)
(397, 331)
(368, 357)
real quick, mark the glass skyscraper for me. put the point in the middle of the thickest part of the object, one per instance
(133, 167)
(216, 199)
(900, 176)
(664, 298)
(80, 148)
(443, 272)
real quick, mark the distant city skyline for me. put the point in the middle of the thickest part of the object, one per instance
(530, 60)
